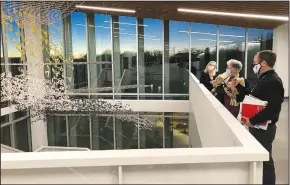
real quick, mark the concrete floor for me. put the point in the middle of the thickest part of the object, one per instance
(280, 147)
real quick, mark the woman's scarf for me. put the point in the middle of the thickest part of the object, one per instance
(234, 90)
(224, 78)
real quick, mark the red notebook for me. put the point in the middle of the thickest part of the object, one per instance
(249, 110)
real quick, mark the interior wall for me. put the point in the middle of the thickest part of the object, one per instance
(280, 46)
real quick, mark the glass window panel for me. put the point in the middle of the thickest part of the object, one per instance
(126, 97)
(54, 71)
(102, 132)
(2, 56)
(231, 46)
(101, 78)
(102, 96)
(176, 97)
(176, 130)
(3, 104)
(176, 75)
(19, 114)
(103, 37)
(4, 119)
(55, 37)
(14, 47)
(126, 134)
(258, 40)
(152, 138)
(79, 131)
(5, 136)
(54, 51)
(150, 66)
(5, 131)
(77, 80)
(203, 46)
(101, 73)
(21, 135)
(150, 97)
(78, 72)
(125, 31)
(56, 131)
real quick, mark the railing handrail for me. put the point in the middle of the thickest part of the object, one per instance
(129, 157)
(61, 147)
(10, 148)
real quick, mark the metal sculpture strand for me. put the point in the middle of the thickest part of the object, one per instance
(44, 97)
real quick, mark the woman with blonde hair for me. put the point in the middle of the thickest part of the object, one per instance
(209, 74)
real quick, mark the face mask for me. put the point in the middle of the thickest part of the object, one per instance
(210, 68)
(257, 68)
(228, 72)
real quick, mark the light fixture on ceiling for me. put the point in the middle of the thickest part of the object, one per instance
(105, 9)
(125, 23)
(213, 34)
(256, 16)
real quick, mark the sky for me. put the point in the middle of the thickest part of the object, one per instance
(203, 35)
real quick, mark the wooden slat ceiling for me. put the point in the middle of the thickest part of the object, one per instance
(167, 10)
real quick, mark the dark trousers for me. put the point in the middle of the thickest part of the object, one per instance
(266, 138)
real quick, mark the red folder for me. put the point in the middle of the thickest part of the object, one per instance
(249, 110)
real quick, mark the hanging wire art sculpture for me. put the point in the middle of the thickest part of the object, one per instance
(47, 96)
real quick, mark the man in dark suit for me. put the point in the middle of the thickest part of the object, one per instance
(268, 88)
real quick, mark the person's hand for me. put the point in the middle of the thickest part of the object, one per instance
(226, 90)
(212, 82)
(248, 123)
(234, 82)
(231, 95)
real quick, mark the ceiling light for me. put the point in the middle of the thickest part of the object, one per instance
(223, 35)
(125, 23)
(280, 18)
(204, 33)
(105, 9)
(215, 40)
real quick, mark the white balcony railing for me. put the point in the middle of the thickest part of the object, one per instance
(228, 155)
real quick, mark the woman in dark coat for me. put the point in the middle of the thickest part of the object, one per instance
(208, 75)
(234, 88)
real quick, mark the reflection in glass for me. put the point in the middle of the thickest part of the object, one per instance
(126, 135)
(21, 135)
(79, 131)
(258, 40)
(127, 97)
(54, 50)
(152, 138)
(124, 32)
(19, 114)
(176, 130)
(150, 55)
(231, 46)
(14, 48)
(5, 131)
(103, 133)
(2, 56)
(78, 72)
(203, 46)
(176, 97)
(150, 97)
(175, 67)
(56, 131)
(55, 38)
(101, 73)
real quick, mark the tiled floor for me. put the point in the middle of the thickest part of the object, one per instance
(280, 147)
